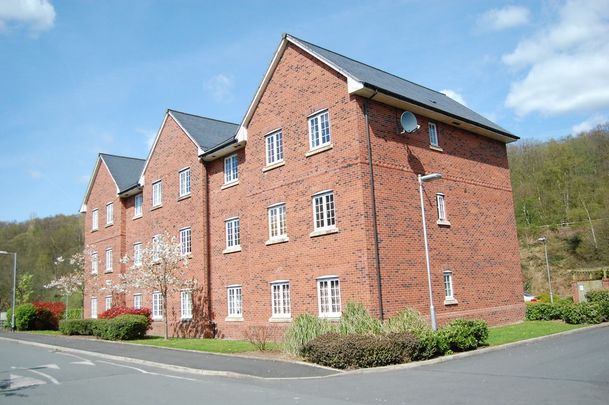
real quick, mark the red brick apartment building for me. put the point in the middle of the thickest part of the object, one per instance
(313, 201)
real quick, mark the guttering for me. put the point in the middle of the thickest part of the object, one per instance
(222, 149)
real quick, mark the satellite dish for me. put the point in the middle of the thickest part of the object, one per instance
(409, 122)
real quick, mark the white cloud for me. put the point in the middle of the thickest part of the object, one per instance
(589, 124)
(35, 174)
(220, 87)
(567, 62)
(502, 18)
(454, 95)
(38, 15)
(149, 135)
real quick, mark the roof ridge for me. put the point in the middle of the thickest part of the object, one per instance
(120, 156)
(365, 64)
(200, 116)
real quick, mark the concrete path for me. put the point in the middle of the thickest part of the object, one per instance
(219, 364)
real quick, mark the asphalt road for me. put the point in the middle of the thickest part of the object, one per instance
(568, 369)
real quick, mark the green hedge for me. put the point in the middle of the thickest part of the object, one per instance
(354, 350)
(76, 327)
(594, 311)
(600, 297)
(25, 316)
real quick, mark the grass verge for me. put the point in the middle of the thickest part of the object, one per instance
(203, 345)
(42, 332)
(500, 335)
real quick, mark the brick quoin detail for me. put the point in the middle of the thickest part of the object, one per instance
(479, 247)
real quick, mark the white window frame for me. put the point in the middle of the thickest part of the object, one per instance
(185, 182)
(233, 233)
(441, 205)
(107, 302)
(328, 297)
(449, 292)
(95, 220)
(94, 263)
(186, 304)
(157, 306)
(231, 169)
(432, 129)
(326, 217)
(109, 260)
(109, 214)
(186, 241)
(138, 205)
(137, 301)
(93, 307)
(281, 301)
(318, 139)
(277, 221)
(234, 300)
(274, 147)
(137, 253)
(157, 194)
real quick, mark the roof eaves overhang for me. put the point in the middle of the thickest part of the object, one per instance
(370, 91)
(223, 149)
(100, 159)
(130, 191)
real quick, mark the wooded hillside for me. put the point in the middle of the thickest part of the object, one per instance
(561, 190)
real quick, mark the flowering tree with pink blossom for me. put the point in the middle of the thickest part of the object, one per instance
(160, 268)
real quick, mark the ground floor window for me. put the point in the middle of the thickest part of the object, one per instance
(93, 307)
(328, 297)
(280, 299)
(186, 304)
(235, 301)
(137, 301)
(448, 285)
(108, 302)
(157, 305)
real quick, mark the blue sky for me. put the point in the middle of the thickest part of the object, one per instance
(82, 77)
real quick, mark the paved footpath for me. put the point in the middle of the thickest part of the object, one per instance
(209, 362)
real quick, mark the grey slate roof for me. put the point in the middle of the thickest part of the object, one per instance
(207, 132)
(126, 171)
(401, 88)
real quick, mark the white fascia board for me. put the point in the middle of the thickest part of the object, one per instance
(242, 134)
(83, 206)
(354, 85)
(156, 140)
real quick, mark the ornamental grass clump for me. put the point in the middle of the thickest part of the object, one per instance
(355, 319)
(305, 328)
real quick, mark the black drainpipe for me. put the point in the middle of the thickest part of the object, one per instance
(377, 255)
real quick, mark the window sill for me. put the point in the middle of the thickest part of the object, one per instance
(274, 241)
(109, 225)
(233, 249)
(107, 271)
(157, 318)
(319, 150)
(186, 319)
(137, 217)
(234, 319)
(436, 148)
(443, 223)
(330, 317)
(94, 273)
(156, 207)
(184, 197)
(273, 166)
(229, 185)
(280, 319)
(323, 231)
(450, 301)
(95, 230)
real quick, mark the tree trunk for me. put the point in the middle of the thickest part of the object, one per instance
(165, 316)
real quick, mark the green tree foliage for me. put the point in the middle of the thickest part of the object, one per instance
(24, 290)
(38, 242)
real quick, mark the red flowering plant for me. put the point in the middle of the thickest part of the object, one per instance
(120, 310)
(56, 308)
(48, 314)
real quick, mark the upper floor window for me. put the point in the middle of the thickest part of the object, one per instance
(433, 134)
(186, 304)
(231, 169)
(137, 254)
(185, 241)
(280, 296)
(94, 220)
(184, 182)
(323, 210)
(157, 193)
(235, 301)
(274, 148)
(94, 263)
(319, 130)
(233, 237)
(138, 202)
(277, 222)
(441, 204)
(108, 260)
(328, 296)
(109, 214)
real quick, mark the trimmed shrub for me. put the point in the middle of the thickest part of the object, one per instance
(125, 327)
(98, 327)
(355, 319)
(600, 297)
(120, 310)
(305, 328)
(25, 316)
(411, 321)
(544, 312)
(432, 345)
(462, 334)
(353, 351)
(584, 312)
(45, 320)
(77, 327)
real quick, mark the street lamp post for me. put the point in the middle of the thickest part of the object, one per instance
(423, 179)
(544, 240)
(2, 252)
